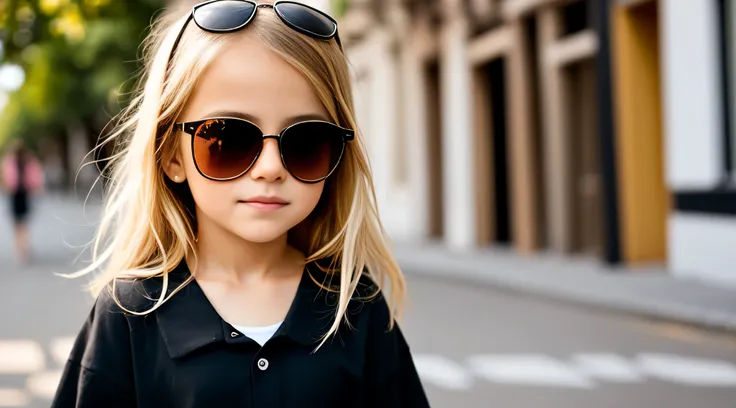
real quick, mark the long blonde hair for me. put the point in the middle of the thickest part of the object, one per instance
(147, 227)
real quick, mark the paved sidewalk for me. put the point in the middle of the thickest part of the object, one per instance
(61, 226)
(650, 292)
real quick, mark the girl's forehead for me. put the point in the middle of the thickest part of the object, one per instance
(245, 60)
(246, 76)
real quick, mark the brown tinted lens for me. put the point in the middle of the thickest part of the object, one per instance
(226, 148)
(312, 150)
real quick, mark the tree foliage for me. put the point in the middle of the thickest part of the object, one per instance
(78, 57)
(338, 7)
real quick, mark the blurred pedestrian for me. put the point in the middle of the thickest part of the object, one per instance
(243, 260)
(23, 178)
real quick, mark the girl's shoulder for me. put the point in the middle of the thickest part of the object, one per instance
(367, 290)
(367, 307)
(133, 296)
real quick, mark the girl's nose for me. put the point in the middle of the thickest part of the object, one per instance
(269, 167)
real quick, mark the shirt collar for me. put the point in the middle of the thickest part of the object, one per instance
(188, 321)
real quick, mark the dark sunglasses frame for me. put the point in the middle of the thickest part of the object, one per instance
(256, 6)
(191, 129)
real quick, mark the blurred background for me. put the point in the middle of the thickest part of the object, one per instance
(557, 177)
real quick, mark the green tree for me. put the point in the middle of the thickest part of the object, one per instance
(78, 56)
(339, 7)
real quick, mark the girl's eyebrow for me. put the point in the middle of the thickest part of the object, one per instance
(247, 116)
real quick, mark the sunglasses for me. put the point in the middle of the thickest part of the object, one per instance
(225, 16)
(226, 148)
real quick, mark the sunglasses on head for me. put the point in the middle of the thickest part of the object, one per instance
(225, 16)
(226, 148)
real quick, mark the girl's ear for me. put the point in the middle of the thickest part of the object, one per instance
(174, 168)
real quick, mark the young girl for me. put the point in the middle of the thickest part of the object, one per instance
(243, 254)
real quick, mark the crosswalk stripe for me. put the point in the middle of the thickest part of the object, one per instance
(581, 371)
(44, 384)
(443, 372)
(12, 397)
(689, 371)
(60, 349)
(606, 366)
(20, 357)
(532, 370)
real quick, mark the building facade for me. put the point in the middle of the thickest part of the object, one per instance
(582, 127)
(699, 117)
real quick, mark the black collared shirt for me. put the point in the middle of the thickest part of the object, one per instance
(185, 355)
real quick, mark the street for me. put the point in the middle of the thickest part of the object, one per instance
(474, 345)
(477, 347)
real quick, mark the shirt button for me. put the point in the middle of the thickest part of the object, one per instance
(234, 334)
(262, 364)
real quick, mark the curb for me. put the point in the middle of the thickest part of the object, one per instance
(632, 305)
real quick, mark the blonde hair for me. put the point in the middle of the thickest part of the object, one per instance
(147, 228)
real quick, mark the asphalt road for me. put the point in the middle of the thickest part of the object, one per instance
(474, 346)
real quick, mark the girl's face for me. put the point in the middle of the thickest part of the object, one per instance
(250, 81)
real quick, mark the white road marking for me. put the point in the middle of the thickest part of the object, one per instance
(60, 349)
(443, 372)
(607, 367)
(12, 397)
(530, 370)
(581, 371)
(689, 371)
(21, 357)
(44, 384)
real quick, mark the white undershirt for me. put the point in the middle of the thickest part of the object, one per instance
(260, 334)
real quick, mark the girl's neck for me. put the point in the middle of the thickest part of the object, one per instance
(223, 256)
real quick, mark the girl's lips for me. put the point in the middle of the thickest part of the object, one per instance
(263, 206)
(266, 200)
